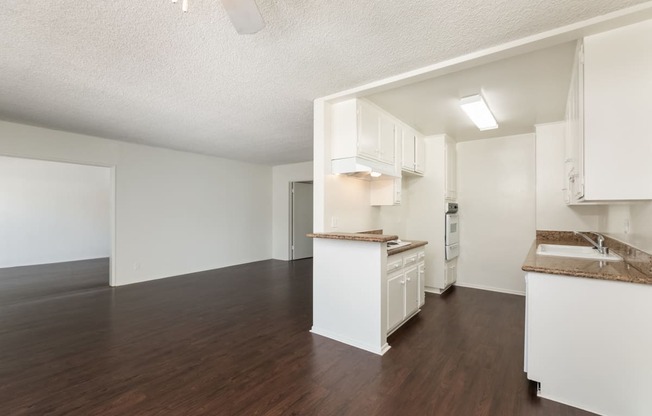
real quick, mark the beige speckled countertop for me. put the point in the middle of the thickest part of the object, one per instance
(372, 238)
(624, 271)
(413, 244)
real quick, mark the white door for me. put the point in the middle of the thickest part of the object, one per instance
(300, 245)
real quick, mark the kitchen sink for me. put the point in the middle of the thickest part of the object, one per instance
(579, 252)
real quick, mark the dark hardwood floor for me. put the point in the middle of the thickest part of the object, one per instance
(235, 341)
(21, 284)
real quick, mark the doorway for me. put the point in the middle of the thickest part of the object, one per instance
(301, 204)
(56, 228)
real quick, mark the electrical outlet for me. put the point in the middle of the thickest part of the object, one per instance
(626, 226)
(333, 222)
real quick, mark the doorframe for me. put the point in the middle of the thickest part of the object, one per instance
(113, 280)
(112, 227)
(291, 214)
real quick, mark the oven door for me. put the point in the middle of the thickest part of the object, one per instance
(452, 251)
(452, 229)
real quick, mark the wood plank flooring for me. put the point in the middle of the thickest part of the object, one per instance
(235, 341)
(21, 284)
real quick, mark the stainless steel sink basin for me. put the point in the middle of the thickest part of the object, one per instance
(578, 252)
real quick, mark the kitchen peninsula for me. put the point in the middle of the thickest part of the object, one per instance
(361, 290)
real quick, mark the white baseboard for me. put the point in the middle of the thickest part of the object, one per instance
(490, 288)
(348, 341)
(436, 290)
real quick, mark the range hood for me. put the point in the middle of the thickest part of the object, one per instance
(361, 168)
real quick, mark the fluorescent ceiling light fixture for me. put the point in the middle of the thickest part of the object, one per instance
(476, 108)
(375, 174)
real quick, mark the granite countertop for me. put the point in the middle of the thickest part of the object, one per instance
(623, 271)
(370, 237)
(413, 244)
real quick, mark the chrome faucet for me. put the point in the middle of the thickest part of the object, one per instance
(599, 245)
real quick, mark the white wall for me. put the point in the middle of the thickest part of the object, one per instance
(393, 219)
(176, 212)
(552, 213)
(496, 194)
(53, 212)
(638, 215)
(348, 201)
(282, 175)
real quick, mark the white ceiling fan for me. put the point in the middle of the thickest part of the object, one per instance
(244, 15)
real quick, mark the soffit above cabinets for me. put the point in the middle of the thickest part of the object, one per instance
(521, 91)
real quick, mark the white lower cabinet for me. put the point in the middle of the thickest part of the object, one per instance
(422, 284)
(587, 343)
(395, 295)
(411, 291)
(405, 286)
(450, 272)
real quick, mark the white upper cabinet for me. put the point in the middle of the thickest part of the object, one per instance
(608, 129)
(362, 130)
(387, 140)
(419, 154)
(407, 146)
(368, 126)
(413, 152)
(574, 161)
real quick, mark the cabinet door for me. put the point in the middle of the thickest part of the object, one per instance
(617, 109)
(422, 284)
(368, 126)
(419, 154)
(407, 144)
(574, 146)
(411, 291)
(450, 160)
(385, 192)
(387, 132)
(395, 300)
(450, 273)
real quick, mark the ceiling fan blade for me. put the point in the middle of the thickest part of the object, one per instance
(244, 15)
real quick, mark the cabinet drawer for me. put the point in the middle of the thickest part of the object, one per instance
(411, 259)
(394, 265)
(421, 255)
